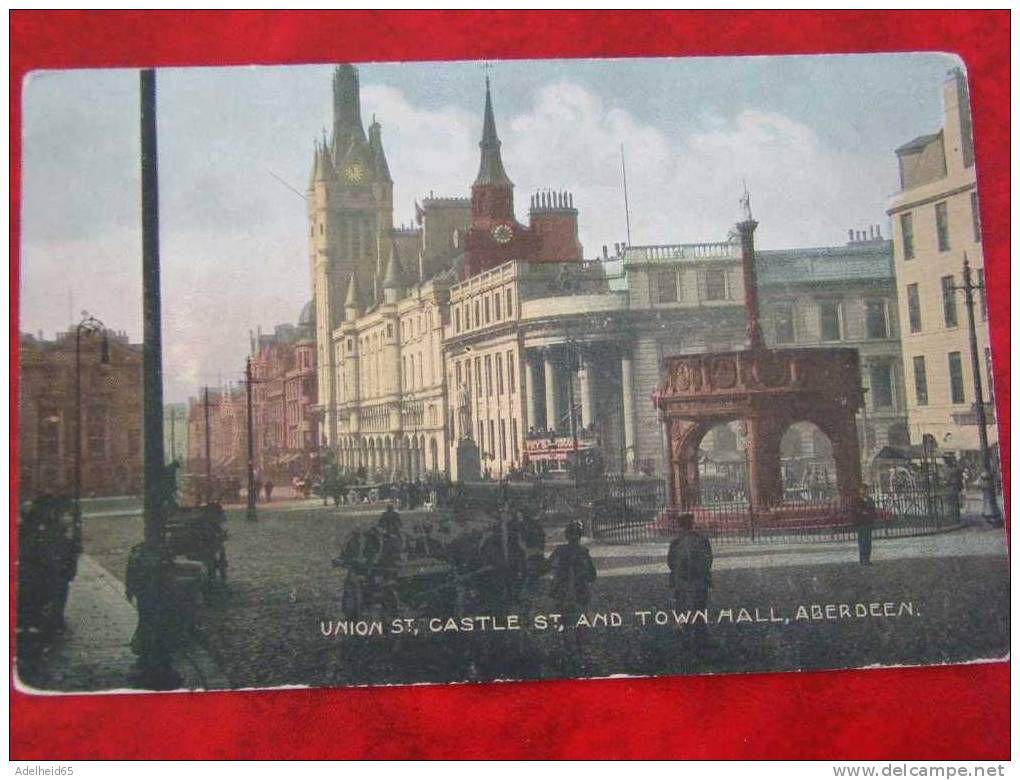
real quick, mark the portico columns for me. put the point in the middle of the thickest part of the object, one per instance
(551, 417)
(587, 410)
(629, 423)
(529, 392)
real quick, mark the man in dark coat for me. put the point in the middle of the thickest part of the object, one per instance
(573, 573)
(863, 514)
(690, 565)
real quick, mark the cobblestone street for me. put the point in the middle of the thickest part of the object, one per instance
(937, 599)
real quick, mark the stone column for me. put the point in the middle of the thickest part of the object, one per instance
(587, 409)
(629, 423)
(846, 452)
(529, 392)
(551, 416)
(764, 475)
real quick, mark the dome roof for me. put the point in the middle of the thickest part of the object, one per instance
(307, 314)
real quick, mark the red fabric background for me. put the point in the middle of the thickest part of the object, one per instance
(948, 712)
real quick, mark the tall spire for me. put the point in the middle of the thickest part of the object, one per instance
(394, 278)
(347, 126)
(491, 170)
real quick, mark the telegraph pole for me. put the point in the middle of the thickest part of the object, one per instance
(990, 503)
(150, 568)
(251, 443)
(208, 451)
(173, 434)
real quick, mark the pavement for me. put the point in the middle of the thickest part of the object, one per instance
(94, 654)
(972, 540)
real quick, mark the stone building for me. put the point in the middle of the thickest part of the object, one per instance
(111, 415)
(350, 209)
(389, 377)
(841, 296)
(286, 441)
(227, 407)
(477, 325)
(936, 222)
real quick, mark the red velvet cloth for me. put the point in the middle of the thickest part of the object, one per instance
(948, 712)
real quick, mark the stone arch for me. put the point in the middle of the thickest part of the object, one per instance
(722, 464)
(434, 459)
(839, 427)
(806, 458)
(685, 441)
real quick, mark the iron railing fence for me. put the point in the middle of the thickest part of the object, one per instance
(624, 513)
(619, 511)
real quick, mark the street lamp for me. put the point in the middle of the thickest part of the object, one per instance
(990, 503)
(89, 325)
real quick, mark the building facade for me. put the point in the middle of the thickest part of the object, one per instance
(479, 325)
(841, 296)
(540, 352)
(111, 415)
(283, 369)
(936, 222)
(225, 409)
(390, 391)
(350, 210)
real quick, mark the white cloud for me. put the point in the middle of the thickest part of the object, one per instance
(684, 184)
(427, 149)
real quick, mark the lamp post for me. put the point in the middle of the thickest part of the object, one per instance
(250, 514)
(89, 325)
(990, 503)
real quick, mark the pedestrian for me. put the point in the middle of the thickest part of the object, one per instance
(535, 564)
(955, 484)
(258, 487)
(269, 490)
(573, 572)
(863, 514)
(690, 570)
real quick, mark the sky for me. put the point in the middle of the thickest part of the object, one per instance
(812, 137)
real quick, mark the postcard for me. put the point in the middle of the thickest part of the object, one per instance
(446, 372)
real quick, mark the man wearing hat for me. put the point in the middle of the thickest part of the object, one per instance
(690, 565)
(573, 572)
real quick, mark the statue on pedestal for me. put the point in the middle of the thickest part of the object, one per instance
(464, 411)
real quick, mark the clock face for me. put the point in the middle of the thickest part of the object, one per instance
(354, 173)
(502, 234)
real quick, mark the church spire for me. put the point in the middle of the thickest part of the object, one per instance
(491, 170)
(347, 125)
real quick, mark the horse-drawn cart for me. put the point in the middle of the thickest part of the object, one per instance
(198, 534)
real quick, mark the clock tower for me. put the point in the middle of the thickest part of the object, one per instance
(350, 213)
(495, 236)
